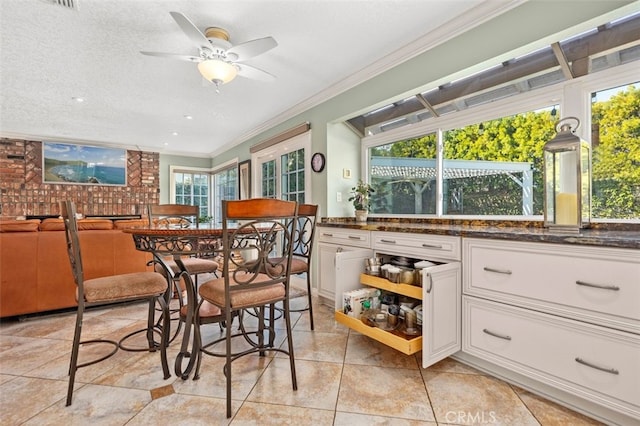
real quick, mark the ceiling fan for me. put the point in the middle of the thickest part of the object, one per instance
(218, 60)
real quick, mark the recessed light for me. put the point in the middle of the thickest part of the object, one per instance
(175, 133)
(166, 144)
(188, 117)
(78, 99)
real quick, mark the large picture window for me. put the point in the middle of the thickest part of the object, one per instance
(488, 161)
(615, 141)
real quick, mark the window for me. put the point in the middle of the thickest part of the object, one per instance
(403, 175)
(269, 179)
(282, 171)
(615, 145)
(495, 167)
(473, 146)
(192, 188)
(293, 176)
(225, 185)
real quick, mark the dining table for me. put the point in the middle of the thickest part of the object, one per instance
(179, 242)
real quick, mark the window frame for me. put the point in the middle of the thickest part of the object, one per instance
(275, 152)
(573, 96)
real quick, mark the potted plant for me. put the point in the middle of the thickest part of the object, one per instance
(361, 197)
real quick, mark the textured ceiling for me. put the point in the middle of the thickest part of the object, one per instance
(51, 54)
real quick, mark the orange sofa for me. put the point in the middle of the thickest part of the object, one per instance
(35, 275)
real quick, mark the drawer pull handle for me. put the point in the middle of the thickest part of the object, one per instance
(604, 287)
(597, 367)
(351, 237)
(499, 336)
(388, 241)
(497, 271)
(326, 234)
(434, 246)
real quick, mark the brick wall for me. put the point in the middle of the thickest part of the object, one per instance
(23, 193)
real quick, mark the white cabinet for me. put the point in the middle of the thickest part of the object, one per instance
(440, 294)
(562, 320)
(341, 254)
(592, 362)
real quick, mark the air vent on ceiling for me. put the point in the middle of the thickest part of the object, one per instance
(69, 4)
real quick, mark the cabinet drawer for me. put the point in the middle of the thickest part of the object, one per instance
(349, 237)
(592, 362)
(423, 246)
(597, 285)
(408, 346)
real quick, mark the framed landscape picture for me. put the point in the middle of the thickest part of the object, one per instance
(83, 164)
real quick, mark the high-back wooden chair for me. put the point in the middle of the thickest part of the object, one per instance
(255, 280)
(302, 251)
(149, 286)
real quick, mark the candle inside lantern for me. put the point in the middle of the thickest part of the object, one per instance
(566, 209)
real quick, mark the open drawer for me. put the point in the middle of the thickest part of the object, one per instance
(395, 340)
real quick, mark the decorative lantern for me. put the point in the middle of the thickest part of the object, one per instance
(567, 180)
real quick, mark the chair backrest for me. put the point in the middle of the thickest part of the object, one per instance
(305, 231)
(180, 215)
(253, 228)
(68, 213)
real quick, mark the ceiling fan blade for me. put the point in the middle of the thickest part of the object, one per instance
(251, 48)
(194, 34)
(174, 56)
(254, 73)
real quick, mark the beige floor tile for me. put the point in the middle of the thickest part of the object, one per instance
(95, 405)
(141, 370)
(551, 414)
(245, 372)
(450, 365)
(30, 353)
(471, 399)
(363, 350)
(187, 410)
(319, 346)
(392, 392)
(255, 413)
(323, 320)
(352, 419)
(318, 384)
(23, 397)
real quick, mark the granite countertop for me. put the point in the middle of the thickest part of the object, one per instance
(601, 235)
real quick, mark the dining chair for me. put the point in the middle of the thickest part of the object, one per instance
(302, 250)
(149, 286)
(258, 228)
(182, 216)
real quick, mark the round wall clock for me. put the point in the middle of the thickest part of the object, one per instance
(317, 162)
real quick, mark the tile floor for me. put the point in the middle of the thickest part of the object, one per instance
(344, 378)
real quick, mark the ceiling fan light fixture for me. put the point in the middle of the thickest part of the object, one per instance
(217, 71)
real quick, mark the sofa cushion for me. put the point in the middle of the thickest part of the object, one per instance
(130, 223)
(30, 225)
(83, 224)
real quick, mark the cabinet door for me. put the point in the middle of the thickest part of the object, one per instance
(441, 314)
(340, 269)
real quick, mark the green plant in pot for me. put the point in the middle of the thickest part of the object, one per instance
(361, 198)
